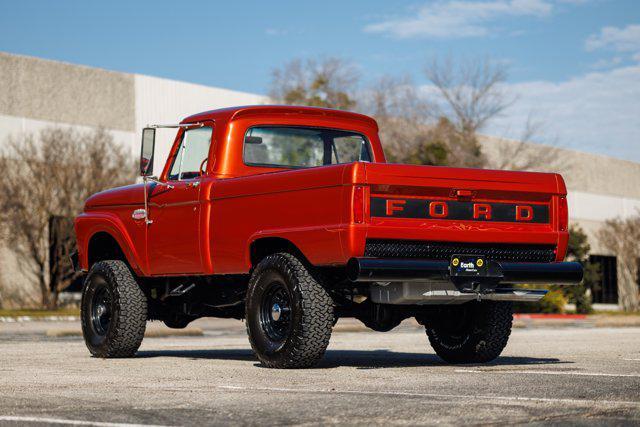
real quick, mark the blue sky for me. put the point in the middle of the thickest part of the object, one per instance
(573, 64)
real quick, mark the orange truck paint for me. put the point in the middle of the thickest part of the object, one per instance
(324, 211)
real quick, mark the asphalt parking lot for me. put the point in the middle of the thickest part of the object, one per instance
(572, 374)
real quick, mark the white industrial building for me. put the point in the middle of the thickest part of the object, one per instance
(36, 93)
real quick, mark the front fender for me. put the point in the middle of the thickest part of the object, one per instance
(88, 224)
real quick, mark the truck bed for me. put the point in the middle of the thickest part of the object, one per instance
(310, 207)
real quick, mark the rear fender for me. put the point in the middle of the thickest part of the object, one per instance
(317, 245)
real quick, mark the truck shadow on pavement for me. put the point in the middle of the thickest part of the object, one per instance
(361, 359)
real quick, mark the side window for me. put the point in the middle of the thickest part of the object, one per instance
(192, 153)
(351, 148)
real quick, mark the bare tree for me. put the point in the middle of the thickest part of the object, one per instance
(404, 121)
(525, 154)
(329, 82)
(439, 125)
(51, 174)
(414, 130)
(473, 91)
(472, 94)
(622, 238)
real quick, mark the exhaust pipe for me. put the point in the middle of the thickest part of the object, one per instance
(556, 273)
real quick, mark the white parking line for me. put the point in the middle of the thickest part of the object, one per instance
(582, 374)
(456, 397)
(61, 421)
(634, 360)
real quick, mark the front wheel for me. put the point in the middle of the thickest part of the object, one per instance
(475, 332)
(289, 314)
(114, 310)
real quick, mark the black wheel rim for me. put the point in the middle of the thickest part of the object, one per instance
(455, 326)
(458, 325)
(275, 312)
(101, 309)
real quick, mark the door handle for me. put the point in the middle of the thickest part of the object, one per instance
(139, 214)
(194, 184)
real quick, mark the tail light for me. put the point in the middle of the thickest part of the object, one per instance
(358, 204)
(563, 214)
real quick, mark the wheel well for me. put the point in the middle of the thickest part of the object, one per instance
(104, 246)
(261, 248)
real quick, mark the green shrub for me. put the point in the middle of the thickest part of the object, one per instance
(578, 250)
(553, 302)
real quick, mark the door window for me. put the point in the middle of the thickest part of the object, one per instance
(192, 154)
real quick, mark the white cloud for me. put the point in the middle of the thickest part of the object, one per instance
(576, 2)
(596, 112)
(459, 18)
(607, 63)
(625, 39)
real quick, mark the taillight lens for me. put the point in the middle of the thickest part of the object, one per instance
(358, 204)
(563, 214)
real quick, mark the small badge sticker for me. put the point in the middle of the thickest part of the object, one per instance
(468, 265)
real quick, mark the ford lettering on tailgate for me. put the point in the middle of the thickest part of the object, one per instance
(459, 210)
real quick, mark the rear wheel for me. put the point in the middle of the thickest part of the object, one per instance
(475, 332)
(113, 311)
(289, 314)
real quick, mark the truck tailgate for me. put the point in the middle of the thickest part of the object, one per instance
(440, 181)
(441, 204)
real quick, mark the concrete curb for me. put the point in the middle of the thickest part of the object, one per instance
(17, 319)
(544, 316)
(534, 320)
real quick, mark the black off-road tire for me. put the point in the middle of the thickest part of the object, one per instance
(126, 304)
(305, 337)
(475, 332)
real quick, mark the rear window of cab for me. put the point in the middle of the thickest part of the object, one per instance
(303, 147)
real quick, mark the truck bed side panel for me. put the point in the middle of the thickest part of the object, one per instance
(307, 207)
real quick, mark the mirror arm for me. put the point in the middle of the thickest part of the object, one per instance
(157, 181)
(180, 125)
(146, 202)
(145, 180)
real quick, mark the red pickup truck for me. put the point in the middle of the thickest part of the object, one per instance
(290, 218)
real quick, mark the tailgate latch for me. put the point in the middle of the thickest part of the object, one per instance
(463, 194)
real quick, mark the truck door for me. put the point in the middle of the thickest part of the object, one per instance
(173, 239)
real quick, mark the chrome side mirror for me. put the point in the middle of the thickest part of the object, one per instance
(146, 152)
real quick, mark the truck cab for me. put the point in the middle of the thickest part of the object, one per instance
(290, 218)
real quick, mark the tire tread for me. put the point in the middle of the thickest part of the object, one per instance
(128, 332)
(489, 334)
(314, 332)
